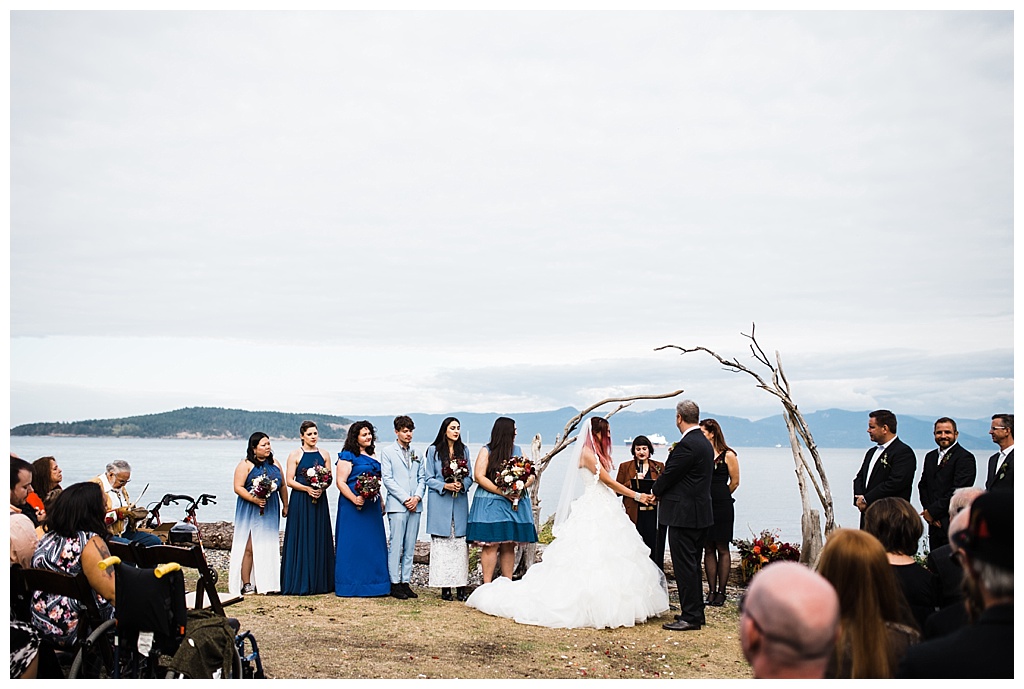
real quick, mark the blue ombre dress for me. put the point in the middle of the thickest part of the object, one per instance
(361, 566)
(307, 563)
(265, 531)
(492, 519)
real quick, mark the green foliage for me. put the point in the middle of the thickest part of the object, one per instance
(546, 536)
(198, 422)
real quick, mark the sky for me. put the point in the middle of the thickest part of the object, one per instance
(373, 213)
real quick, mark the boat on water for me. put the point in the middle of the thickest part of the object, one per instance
(657, 439)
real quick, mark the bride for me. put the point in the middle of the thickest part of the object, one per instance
(598, 572)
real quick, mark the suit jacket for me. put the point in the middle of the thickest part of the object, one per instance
(444, 507)
(893, 476)
(627, 472)
(1005, 480)
(938, 483)
(402, 479)
(980, 651)
(684, 487)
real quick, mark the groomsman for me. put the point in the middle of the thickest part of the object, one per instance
(405, 480)
(1000, 465)
(684, 498)
(888, 467)
(945, 469)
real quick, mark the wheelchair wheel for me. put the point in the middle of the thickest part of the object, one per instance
(88, 657)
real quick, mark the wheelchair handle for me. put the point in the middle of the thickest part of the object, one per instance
(109, 562)
(160, 570)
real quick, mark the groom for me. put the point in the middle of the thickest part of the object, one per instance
(684, 505)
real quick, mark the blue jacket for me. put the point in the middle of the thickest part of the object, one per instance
(442, 506)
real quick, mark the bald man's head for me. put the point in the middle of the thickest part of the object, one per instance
(789, 622)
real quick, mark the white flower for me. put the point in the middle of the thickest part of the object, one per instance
(509, 479)
(520, 485)
(453, 465)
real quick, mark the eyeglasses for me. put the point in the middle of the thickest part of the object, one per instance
(997, 428)
(796, 646)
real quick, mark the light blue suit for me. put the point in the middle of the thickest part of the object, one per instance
(403, 478)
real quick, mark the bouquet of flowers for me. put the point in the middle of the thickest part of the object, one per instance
(455, 469)
(367, 487)
(319, 477)
(263, 487)
(512, 478)
(762, 550)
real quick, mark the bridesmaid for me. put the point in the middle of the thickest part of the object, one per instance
(724, 481)
(256, 548)
(307, 564)
(361, 566)
(447, 510)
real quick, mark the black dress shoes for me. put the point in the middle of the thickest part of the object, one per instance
(446, 594)
(397, 591)
(680, 626)
(719, 599)
(461, 593)
(409, 593)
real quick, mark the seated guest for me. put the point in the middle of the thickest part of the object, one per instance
(76, 542)
(21, 487)
(23, 531)
(940, 561)
(984, 649)
(119, 507)
(952, 617)
(789, 622)
(876, 625)
(896, 524)
(46, 478)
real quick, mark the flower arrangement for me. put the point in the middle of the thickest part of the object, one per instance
(262, 488)
(319, 477)
(512, 478)
(762, 550)
(413, 457)
(367, 487)
(455, 469)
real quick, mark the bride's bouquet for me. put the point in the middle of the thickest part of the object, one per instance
(319, 477)
(512, 478)
(263, 487)
(367, 487)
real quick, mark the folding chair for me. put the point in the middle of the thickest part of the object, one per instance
(206, 594)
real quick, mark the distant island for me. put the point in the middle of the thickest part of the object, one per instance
(831, 427)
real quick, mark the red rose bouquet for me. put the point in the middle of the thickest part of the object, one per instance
(455, 469)
(367, 487)
(512, 478)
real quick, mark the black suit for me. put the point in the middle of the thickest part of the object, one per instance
(1005, 479)
(981, 651)
(958, 470)
(684, 505)
(892, 476)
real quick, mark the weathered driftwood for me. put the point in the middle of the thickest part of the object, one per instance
(799, 432)
(526, 555)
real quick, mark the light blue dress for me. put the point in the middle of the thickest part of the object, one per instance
(361, 565)
(492, 519)
(265, 531)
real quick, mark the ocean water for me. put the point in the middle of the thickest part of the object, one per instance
(767, 498)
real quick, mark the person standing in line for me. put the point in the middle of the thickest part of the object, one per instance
(945, 469)
(255, 564)
(361, 569)
(493, 524)
(405, 480)
(644, 517)
(449, 476)
(1000, 465)
(684, 496)
(724, 481)
(888, 468)
(307, 559)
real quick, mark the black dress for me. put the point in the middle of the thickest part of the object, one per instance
(721, 503)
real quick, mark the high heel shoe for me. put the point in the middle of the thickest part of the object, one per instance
(719, 599)
(461, 594)
(446, 594)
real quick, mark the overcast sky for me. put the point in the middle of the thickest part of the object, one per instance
(362, 213)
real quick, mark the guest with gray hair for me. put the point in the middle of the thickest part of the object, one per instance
(940, 560)
(789, 622)
(953, 615)
(119, 506)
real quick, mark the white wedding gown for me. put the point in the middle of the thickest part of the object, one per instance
(596, 573)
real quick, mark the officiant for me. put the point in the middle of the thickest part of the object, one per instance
(639, 474)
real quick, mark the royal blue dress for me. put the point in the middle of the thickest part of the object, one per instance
(361, 566)
(307, 560)
(492, 519)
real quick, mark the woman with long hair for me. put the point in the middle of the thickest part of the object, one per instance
(493, 524)
(898, 527)
(449, 476)
(76, 542)
(307, 560)
(724, 481)
(597, 573)
(361, 568)
(876, 625)
(46, 478)
(255, 547)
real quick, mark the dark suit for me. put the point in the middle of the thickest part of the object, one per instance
(892, 477)
(684, 505)
(1004, 481)
(981, 651)
(958, 470)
